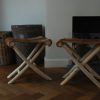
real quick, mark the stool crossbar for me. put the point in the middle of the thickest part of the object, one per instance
(28, 62)
(81, 63)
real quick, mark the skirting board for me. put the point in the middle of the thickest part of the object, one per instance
(56, 63)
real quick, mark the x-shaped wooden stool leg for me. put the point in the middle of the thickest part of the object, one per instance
(84, 61)
(81, 64)
(29, 61)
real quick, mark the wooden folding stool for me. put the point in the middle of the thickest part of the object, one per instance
(81, 63)
(28, 62)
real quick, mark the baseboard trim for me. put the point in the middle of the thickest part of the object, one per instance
(56, 63)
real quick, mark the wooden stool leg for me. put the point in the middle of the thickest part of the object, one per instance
(84, 60)
(38, 71)
(92, 71)
(23, 64)
(69, 76)
(77, 57)
(89, 75)
(71, 70)
(18, 75)
(81, 66)
(35, 53)
(87, 57)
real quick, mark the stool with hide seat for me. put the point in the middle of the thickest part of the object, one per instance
(28, 62)
(81, 63)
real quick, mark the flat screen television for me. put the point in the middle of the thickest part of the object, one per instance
(86, 24)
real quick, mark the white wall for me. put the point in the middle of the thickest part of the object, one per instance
(21, 12)
(59, 25)
(1, 13)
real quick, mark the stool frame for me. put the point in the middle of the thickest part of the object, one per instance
(28, 62)
(81, 63)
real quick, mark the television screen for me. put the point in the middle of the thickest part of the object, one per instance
(86, 24)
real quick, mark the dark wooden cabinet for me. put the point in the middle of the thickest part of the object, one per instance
(27, 31)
